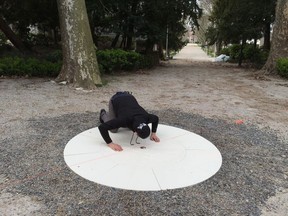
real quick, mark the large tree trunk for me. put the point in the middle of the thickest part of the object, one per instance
(279, 44)
(80, 65)
(12, 36)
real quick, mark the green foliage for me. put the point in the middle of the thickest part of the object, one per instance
(251, 53)
(254, 54)
(25, 14)
(3, 39)
(146, 19)
(235, 51)
(108, 60)
(282, 67)
(235, 20)
(17, 66)
(115, 60)
(225, 51)
(55, 56)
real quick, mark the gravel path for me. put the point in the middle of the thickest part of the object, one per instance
(40, 117)
(193, 52)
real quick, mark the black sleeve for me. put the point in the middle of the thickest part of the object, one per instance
(109, 125)
(154, 120)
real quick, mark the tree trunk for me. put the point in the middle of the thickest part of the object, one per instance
(131, 21)
(243, 42)
(218, 47)
(12, 36)
(80, 65)
(267, 32)
(123, 42)
(129, 37)
(115, 41)
(149, 47)
(161, 52)
(279, 47)
(255, 43)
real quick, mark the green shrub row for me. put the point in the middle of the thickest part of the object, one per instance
(109, 61)
(18, 66)
(250, 53)
(117, 59)
(282, 67)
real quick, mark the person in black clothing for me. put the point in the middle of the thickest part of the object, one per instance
(124, 111)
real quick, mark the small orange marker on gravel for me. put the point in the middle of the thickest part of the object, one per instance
(239, 121)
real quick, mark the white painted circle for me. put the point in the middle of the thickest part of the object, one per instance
(180, 159)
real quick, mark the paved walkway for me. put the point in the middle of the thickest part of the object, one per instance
(193, 52)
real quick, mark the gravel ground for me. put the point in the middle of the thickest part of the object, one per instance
(254, 163)
(40, 117)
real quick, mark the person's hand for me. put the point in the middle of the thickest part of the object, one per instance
(154, 137)
(115, 146)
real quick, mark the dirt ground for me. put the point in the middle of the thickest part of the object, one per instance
(209, 89)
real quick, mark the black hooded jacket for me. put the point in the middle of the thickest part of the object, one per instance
(129, 114)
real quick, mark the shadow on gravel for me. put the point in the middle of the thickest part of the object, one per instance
(254, 164)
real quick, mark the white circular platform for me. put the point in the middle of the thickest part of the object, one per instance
(180, 159)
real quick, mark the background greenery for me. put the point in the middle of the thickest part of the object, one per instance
(282, 67)
(126, 31)
(250, 54)
(110, 61)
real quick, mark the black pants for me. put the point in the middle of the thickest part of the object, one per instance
(111, 114)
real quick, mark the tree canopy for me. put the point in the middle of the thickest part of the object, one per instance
(240, 20)
(145, 19)
(23, 15)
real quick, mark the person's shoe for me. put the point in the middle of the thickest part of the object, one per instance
(102, 111)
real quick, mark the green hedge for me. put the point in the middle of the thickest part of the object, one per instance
(115, 60)
(282, 67)
(108, 60)
(17, 66)
(250, 53)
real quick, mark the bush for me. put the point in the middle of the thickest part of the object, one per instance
(251, 53)
(16, 66)
(108, 61)
(225, 51)
(235, 51)
(254, 54)
(282, 67)
(115, 60)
